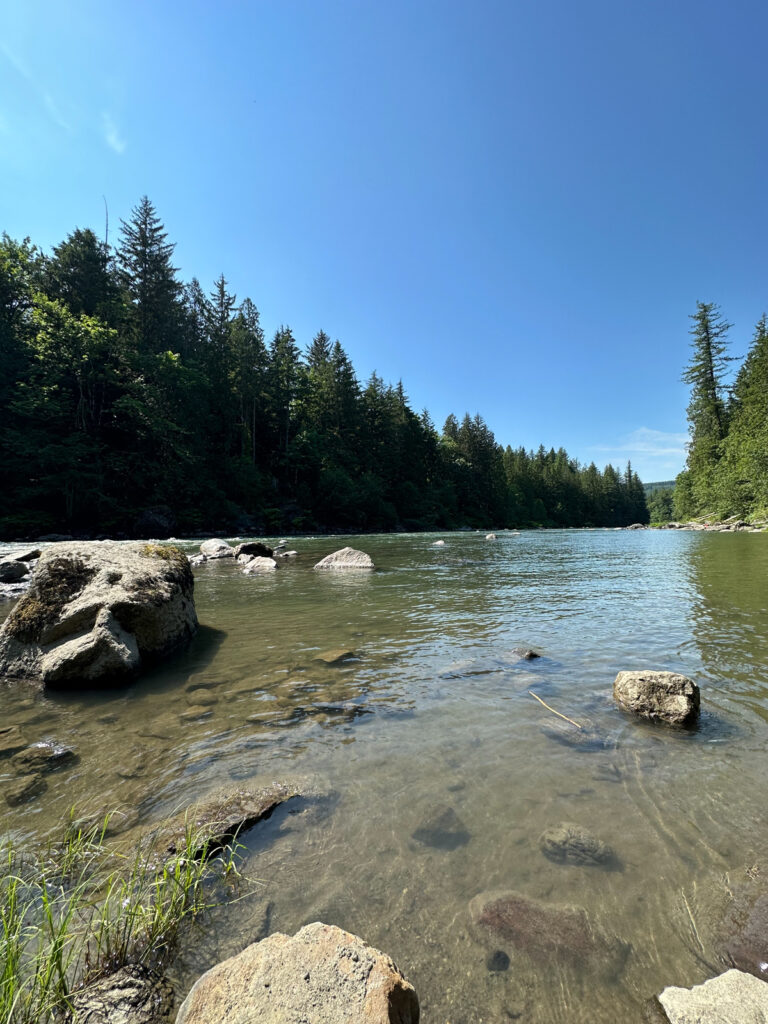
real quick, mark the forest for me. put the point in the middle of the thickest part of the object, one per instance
(134, 404)
(726, 472)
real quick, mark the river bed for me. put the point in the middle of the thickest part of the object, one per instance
(431, 709)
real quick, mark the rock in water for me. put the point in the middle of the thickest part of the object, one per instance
(443, 829)
(96, 611)
(346, 558)
(44, 757)
(254, 548)
(731, 998)
(570, 844)
(322, 974)
(546, 930)
(259, 564)
(663, 696)
(216, 548)
(132, 995)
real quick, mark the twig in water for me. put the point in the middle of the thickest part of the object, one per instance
(564, 717)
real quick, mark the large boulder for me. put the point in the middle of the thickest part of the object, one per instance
(96, 612)
(546, 931)
(730, 998)
(346, 558)
(661, 696)
(322, 974)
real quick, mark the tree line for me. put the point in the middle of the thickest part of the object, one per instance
(726, 470)
(130, 400)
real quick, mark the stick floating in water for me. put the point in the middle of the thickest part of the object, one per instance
(564, 717)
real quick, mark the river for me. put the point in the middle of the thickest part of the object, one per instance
(432, 710)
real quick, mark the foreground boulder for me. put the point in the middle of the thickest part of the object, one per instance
(132, 995)
(96, 612)
(543, 931)
(346, 558)
(731, 998)
(661, 696)
(322, 974)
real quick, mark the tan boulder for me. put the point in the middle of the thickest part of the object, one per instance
(346, 558)
(322, 974)
(661, 696)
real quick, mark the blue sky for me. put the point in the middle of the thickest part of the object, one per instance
(512, 206)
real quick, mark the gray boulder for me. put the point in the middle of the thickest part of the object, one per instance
(217, 548)
(259, 565)
(96, 612)
(322, 974)
(662, 696)
(730, 998)
(346, 558)
(132, 995)
(12, 571)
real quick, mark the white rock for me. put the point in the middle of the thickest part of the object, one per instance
(731, 998)
(346, 558)
(260, 564)
(217, 548)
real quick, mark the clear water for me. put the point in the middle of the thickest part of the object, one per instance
(434, 711)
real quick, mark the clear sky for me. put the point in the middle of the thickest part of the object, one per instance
(512, 205)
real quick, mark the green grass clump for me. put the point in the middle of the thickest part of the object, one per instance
(80, 911)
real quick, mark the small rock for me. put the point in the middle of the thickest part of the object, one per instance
(202, 697)
(524, 653)
(12, 572)
(260, 565)
(443, 829)
(497, 961)
(586, 739)
(132, 995)
(216, 548)
(730, 998)
(195, 560)
(336, 656)
(491, 536)
(660, 696)
(570, 844)
(286, 554)
(195, 712)
(346, 558)
(322, 974)
(28, 556)
(44, 757)
(23, 789)
(438, 544)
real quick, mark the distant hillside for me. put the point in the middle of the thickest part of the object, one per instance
(661, 485)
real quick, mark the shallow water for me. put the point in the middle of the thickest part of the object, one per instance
(434, 711)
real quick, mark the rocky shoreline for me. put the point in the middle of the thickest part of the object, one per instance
(94, 612)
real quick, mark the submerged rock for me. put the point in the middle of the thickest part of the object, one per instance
(743, 932)
(11, 740)
(443, 829)
(96, 611)
(567, 843)
(335, 656)
(44, 757)
(524, 654)
(660, 696)
(346, 558)
(23, 789)
(217, 819)
(730, 998)
(321, 975)
(132, 995)
(546, 930)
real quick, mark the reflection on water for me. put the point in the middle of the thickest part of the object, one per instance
(400, 695)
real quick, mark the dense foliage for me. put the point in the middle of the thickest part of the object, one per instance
(129, 400)
(727, 468)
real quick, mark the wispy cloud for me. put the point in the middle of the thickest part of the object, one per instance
(112, 135)
(655, 454)
(45, 97)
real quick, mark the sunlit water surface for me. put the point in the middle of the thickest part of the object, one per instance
(434, 711)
